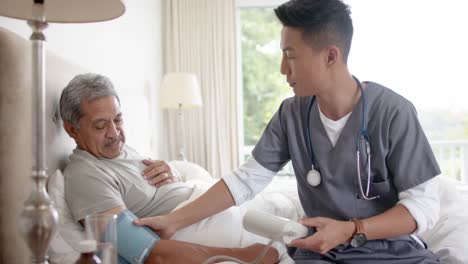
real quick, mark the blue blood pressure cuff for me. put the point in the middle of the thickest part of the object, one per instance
(134, 243)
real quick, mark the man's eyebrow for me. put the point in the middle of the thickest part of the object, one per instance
(100, 120)
(287, 49)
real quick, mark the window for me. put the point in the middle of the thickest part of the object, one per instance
(264, 87)
(416, 48)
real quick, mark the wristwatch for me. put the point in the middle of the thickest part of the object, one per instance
(359, 238)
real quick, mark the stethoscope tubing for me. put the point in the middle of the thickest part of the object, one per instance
(309, 142)
(363, 133)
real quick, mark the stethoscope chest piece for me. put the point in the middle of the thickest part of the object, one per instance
(313, 177)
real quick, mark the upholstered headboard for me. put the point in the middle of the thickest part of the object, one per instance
(16, 136)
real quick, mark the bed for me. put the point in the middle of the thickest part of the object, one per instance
(449, 238)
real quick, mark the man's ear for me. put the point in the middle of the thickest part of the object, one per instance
(332, 55)
(70, 129)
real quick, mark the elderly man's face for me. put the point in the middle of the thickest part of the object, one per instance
(101, 128)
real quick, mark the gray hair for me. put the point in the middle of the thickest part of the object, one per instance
(83, 87)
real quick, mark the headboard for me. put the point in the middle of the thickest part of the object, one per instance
(16, 136)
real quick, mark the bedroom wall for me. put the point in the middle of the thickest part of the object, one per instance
(128, 50)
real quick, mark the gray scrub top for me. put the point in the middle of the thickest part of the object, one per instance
(401, 157)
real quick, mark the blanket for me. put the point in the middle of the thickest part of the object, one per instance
(225, 228)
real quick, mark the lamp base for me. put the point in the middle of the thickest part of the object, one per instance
(182, 155)
(39, 220)
(182, 134)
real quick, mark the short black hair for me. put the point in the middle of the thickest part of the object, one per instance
(324, 22)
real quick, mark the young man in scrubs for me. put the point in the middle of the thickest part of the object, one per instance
(353, 223)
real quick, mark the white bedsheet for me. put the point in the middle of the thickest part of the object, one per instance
(225, 228)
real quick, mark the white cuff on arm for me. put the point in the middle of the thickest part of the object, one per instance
(423, 203)
(250, 179)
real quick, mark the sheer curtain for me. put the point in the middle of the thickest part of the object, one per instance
(200, 37)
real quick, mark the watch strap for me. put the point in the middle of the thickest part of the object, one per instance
(359, 226)
(359, 238)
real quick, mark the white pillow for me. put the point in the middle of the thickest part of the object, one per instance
(189, 171)
(63, 247)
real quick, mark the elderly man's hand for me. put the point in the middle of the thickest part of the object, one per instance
(158, 173)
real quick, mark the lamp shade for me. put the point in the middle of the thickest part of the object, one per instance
(64, 11)
(180, 90)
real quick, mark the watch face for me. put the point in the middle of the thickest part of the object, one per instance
(358, 240)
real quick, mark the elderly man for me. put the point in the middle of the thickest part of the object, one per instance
(106, 176)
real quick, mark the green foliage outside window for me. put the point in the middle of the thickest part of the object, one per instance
(264, 88)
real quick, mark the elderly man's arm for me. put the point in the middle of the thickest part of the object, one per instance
(173, 251)
(116, 211)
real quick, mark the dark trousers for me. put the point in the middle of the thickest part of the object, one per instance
(400, 250)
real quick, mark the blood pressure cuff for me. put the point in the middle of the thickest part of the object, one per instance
(134, 243)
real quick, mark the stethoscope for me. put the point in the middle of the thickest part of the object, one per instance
(313, 176)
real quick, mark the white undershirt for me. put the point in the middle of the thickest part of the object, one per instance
(333, 128)
(422, 201)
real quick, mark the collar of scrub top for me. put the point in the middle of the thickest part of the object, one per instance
(313, 177)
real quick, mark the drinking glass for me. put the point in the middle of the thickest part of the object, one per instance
(103, 229)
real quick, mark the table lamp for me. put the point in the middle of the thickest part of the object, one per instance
(39, 219)
(180, 91)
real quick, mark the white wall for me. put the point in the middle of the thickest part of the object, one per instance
(417, 48)
(129, 51)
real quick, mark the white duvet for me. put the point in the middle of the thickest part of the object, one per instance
(225, 229)
(449, 237)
